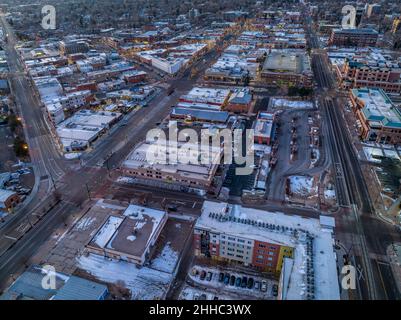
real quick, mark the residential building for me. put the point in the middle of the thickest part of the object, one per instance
(265, 241)
(176, 171)
(370, 69)
(354, 37)
(74, 46)
(379, 119)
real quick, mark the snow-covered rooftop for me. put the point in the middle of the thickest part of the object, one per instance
(312, 241)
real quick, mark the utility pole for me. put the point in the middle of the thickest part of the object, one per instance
(88, 191)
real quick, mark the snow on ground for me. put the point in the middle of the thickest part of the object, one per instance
(370, 154)
(391, 154)
(373, 150)
(145, 283)
(190, 293)
(85, 223)
(284, 103)
(166, 261)
(72, 155)
(125, 180)
(329, 194)
(302, 185)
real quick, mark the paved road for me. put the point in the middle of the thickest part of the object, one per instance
(366, 236)
(74, 183)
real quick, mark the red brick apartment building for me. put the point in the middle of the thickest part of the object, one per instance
(361, 73)
(353, 37)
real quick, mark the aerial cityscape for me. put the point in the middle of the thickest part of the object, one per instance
(200, 150)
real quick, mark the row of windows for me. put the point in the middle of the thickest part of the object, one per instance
(270, 253)
(261, 245)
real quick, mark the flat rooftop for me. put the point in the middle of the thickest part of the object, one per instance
(377, 107)
(206, 95)
(285, 61)
(202, 115)
(138, 159)
(253, 224)
(130, 233)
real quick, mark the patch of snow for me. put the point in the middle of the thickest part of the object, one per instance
(285, 103)
(302, 185)
(85, 223)
(72, 155)
(166, 261)
(128, 180)
(131, 238)
(372, 153)
(329, 194)
(107, 231)
(144, 283)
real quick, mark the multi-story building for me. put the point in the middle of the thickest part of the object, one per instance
(205, 98)
(263, 128)
(371, 69)
(175, 171)
(75, 46)
(379, 119)
(240, 101)
(290, 67)
(354, 37)
(396, 32)
(267, 241)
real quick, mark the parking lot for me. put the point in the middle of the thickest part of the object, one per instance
(223, 283)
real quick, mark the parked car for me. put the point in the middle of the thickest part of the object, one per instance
(232, 280)
(263, 286)
(250, 283)
(226, 278)
(215, 298)
(257, 285)
(275, 290)
(209, 276)
(244, 281)
(203, 275)
(221, 277)
(238, 282)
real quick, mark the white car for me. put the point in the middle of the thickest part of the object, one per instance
(263, 286)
